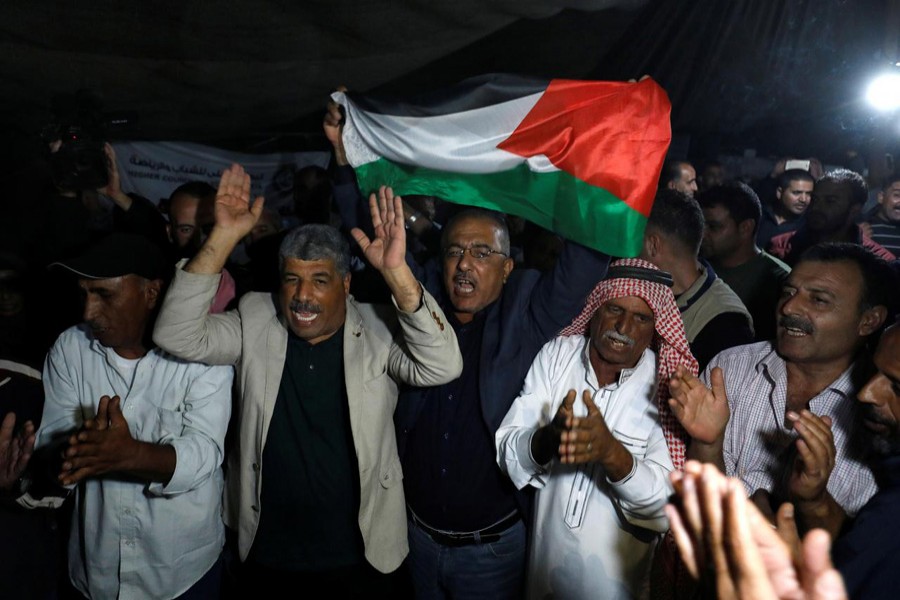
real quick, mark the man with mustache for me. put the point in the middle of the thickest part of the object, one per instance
(460, 503)
(780, 416)
(884, 219)
(591, 431)
(466, 527)
(314, 487)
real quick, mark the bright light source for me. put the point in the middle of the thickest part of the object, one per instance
(884, 92)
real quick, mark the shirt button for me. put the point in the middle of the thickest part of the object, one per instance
(443, 472)
(449, 396)
(311, 367)
(255, 467)
(446, 436)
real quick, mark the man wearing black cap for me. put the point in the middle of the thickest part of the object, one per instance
(142, 435)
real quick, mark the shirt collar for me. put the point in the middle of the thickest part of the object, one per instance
(772, 365)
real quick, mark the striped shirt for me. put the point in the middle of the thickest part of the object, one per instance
(759, 449)
(886, 234)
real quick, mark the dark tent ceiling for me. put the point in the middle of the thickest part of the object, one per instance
(782, 76)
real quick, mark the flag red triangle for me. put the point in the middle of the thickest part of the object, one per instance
(608, 134)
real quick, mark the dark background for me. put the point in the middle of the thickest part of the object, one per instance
(780, 76)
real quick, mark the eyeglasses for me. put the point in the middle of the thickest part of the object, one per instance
(478, 252)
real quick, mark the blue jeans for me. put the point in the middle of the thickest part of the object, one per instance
(491, 571)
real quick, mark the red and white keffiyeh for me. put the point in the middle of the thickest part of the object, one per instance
(670, 342)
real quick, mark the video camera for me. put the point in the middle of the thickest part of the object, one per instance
(78, 124)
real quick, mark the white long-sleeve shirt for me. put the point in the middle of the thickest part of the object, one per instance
(592, 538)
(133, 539)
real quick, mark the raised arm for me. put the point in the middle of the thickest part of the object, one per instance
(386, 252)
(113, 187)
(235, 217)
(184, 327)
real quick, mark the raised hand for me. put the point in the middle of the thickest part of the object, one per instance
(714, 524)
(234, 212)
(387, 252)
(332, 125)
(113, 187)
(15, 450)
(703, 412)
(814, 460)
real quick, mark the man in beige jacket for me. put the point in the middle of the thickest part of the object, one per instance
(318, 376)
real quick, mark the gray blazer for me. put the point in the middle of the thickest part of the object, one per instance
(382, 348)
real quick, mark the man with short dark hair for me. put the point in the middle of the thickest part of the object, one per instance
(190, 209)
(314, 486)
(731, 215)
(793, 194)
(190, 215)
(679, 175)
(143, 436)
(714, 317)
(884, 219)
(770, 403)
(712, 175)
(838, 198)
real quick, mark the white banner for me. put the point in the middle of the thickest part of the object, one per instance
(154, 169)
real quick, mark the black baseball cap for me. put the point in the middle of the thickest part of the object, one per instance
(120, 254)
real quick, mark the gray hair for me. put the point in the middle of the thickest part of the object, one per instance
(480, 214)
(316, 242)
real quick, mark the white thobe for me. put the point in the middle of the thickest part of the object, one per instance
(592, 538)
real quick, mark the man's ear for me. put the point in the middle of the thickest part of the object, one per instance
(778, 192)
(746, 227)
(347, 284)
(652, 244)
(872, 319)
(508, 265)
(152, 290)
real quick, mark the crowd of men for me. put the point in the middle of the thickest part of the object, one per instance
(385, 401)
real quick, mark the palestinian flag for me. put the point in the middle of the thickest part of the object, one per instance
(581, 158)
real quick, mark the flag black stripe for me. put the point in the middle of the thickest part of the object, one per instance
(477, 92)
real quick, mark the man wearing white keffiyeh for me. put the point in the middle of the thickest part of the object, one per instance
(600, 458)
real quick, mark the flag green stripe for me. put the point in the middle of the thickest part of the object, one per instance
(587, 214)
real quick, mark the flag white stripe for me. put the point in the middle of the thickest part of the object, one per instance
(464, 142)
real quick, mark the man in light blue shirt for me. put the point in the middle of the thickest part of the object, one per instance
(142, 435)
